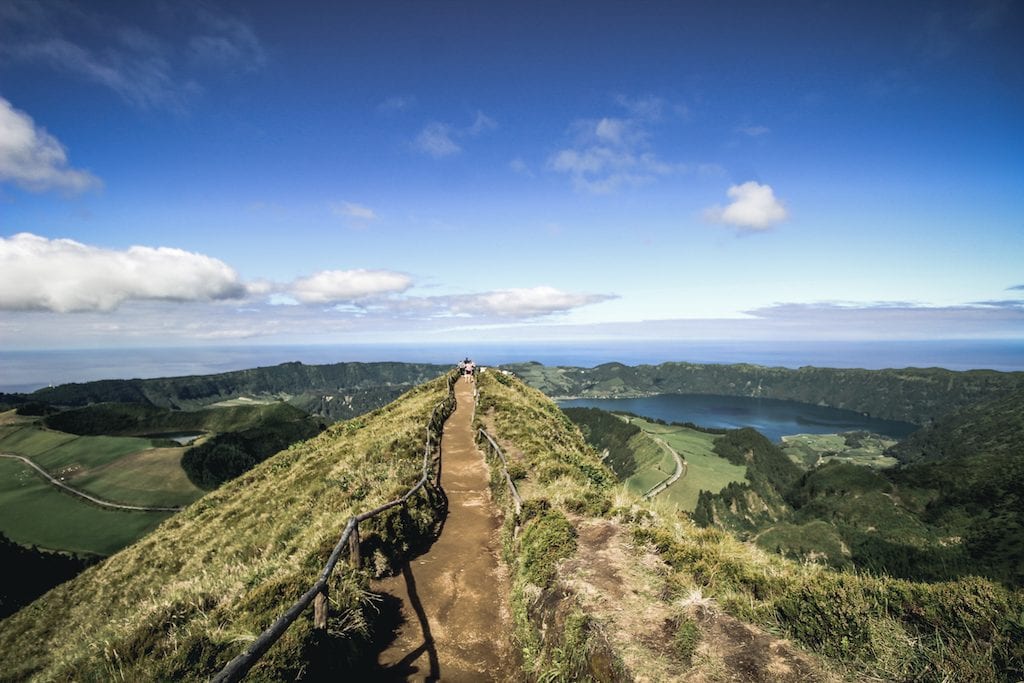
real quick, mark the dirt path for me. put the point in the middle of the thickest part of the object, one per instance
(82, 494)
(455, 620)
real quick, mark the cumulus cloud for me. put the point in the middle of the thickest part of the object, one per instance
(33, 159)
(334, 286)
(62, 275)
(524, 302)
(754, 207)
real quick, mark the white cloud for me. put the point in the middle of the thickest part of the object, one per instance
(395, 104)
(33, 159)
(62, 275)
(754, 131)
(441, 139)
(148, 68)
(642, 107)
(330, 286)
(520, 167)
(481, 124)
(524, 302)
(357, 212)
(436, 140)
(753, 207)
(611, 130)
(610, 153)
(226, 42)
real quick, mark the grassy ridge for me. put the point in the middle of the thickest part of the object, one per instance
(286, 380)
(559, 477)
(868, 626)
(184, 600)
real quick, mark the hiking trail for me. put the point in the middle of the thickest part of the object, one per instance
(454, 622)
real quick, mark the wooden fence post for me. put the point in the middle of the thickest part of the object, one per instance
(353, 548)
(320, 610)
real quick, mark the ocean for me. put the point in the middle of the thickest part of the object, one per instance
(27, 370)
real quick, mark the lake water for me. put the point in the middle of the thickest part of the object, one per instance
(771, 417)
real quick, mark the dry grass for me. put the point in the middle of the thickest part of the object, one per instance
(727, 606)
(186, 598)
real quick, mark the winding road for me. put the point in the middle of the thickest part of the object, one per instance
(680, 471)
(82, 494)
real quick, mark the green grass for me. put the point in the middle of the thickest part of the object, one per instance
(29, 508)
(705, 470)
(152, 477)
(119, 469)
(653, 463)
(188, 597)
(30, 441)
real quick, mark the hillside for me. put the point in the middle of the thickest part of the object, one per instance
(335, 391)
(607, 587)
(603, 586)
(179, 603)
(953, 507)
(912, 394)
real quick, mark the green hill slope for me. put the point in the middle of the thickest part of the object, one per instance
(185, 599)
(608, 587)
(335, 391)
(917, 395)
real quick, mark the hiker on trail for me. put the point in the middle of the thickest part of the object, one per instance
(467, 367)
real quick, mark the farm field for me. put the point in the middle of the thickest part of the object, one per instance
(151, 477)
(29, 507)
(705, 469)
(812, 450)
(120, 469)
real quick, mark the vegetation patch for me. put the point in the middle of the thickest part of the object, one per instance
(185, 599)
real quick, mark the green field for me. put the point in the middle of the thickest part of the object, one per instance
(152, 477)
(705, 470)
(120, 469)
(813, 450)
(29, 508)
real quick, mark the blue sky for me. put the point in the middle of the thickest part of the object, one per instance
(202, 172)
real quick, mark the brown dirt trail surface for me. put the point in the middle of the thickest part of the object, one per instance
(454, 622)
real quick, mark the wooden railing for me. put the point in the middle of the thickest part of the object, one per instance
(495, 449)
(238, 667)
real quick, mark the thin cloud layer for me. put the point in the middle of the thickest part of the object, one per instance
(436, 140)
(529, 302)
(146, 69)
(337, 286)
(65, 276)
(355, 212)
(441, 140)
(33, 159)
(614, 152)
(754, 207)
